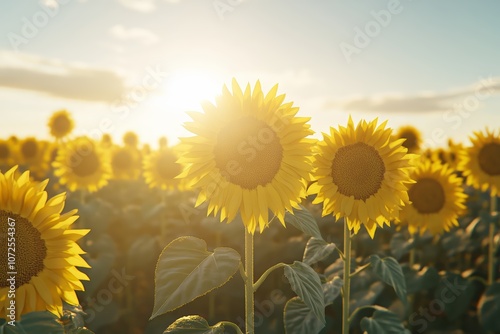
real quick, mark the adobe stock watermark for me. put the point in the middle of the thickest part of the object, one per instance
(424, 315)
(105, 296)
(462, 110)
(33, 24)
(364, 35)
(264, 309)
(222, 7)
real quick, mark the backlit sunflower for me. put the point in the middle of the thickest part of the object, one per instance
(46, 250)
(81, 164)
(481, 162)
(31, 156)
(453, 155)
(437, 198)
(412, 137)
(161, 169)
(7, 153)
(440, 155)
(131, 139)
(250, 155)
(61, 124)
(125, 163)
(362, 174)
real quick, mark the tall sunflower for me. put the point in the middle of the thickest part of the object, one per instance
(46, 250)
(481, 162)
(125, 163)
(413, 138)
(82, 164)
(161, 169)
(7, 153)
(61, 124)
(131, 139)
(437, 198)
(250, 155)
(362, 174)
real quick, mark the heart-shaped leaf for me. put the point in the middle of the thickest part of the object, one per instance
(382, 321)
(306, 284)
(390, 272)
(331, 290)
(304, 221)
(300, 319)
(186, 271)
(193, 324)
(317, 250)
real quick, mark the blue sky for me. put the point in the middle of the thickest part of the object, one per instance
(430, 64)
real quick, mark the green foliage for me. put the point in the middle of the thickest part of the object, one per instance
(317, 250)
(300, 319)
(389, 271)
(455, 293)
(186, 271)
(400, 245)
(45, 323)
(193, 324)
(382, 321)
(304, 221)
(489, 308)
(306, 284)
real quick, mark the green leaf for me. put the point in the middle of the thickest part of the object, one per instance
(455, 293)
(365, 297)
(400, 246)
(382, 321)
(306, 284)
(489, 308)
(304, 221)
(186, 271)
(317, 250)
(34, 322)
(300, 319)
(425, 279)
(193, 324)
(331, 290)
(390, 272)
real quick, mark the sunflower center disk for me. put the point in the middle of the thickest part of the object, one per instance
(30, 250)
(85, 165)
(427, 196)
(411, 140)
(167, 166)
(358, 170)
(489, 158)
(122, 160)
(248, 152)
(29, 149)
(4, 151)
(62, 124)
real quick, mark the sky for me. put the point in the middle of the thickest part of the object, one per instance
(139, 65)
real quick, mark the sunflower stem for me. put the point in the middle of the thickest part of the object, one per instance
(249, 290)
(491, 249)
(347, 279)
(265, 274)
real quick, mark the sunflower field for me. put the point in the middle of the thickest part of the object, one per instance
(250, 225)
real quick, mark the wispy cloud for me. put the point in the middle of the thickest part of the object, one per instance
(144, 6)
(142, 35)
(419, 102)
(59, 79)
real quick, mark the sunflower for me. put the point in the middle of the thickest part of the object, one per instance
(412, 136)
(106, 140)
(161, 169)
(125, 163)
(453, 154)
(437, 198)
(440, 155)
(81, 164)
(7, 153)
(131, 139)
(31, 155)
(46, 250)
(481, 162)
(362, 174)
(61, 124)
(250, 155)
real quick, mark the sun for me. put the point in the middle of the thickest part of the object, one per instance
(183, 90)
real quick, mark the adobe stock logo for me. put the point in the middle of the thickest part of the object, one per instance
(448, 294)
(363, 36)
